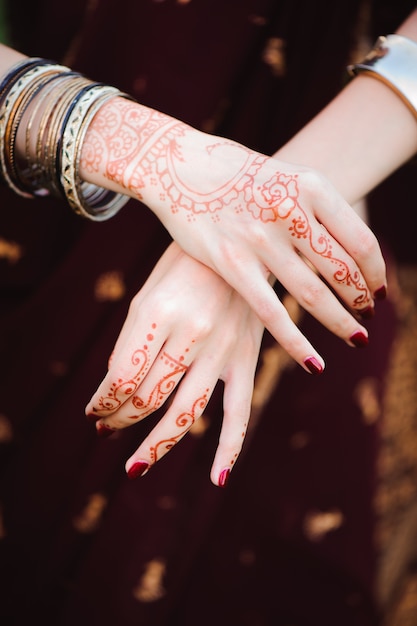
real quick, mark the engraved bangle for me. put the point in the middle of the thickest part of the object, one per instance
(49, 131)
(86, 199)
(393, 60)
(21, 67)
(71, 103)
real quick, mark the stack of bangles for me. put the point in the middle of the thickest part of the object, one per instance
(63, 104)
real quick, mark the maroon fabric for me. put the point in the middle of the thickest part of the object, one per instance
(239, 556)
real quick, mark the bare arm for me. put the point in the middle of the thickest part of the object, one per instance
(361, 137)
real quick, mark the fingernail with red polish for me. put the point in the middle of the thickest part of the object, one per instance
(380, 293)
(224, 477)
(137, 469)
(367, 313)
(313, 365)
(92, 417)
(359, 339)
(103, 430)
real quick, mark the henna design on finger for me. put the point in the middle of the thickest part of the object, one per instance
(163, 387)
(142, 149)
(184, 422)
(121, 389)
(278, 199)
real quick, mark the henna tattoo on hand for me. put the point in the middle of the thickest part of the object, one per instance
(163, 387)
(183, 422)
(121, 389)
(149, 153)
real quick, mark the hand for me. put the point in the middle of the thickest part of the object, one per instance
(246, 216)
(186, 327)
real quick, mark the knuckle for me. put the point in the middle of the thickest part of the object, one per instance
(312, 181)
(166, 307)
(266, 311)
(366, 243)
(200, 327)
(311, 294)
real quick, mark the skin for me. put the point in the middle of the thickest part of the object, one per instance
(249, 215)
(273, 206)
(242, 220)
(354, 171)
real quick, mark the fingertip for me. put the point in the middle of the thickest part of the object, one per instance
(381, 293)
(367, 313)
(103, 430)
(224, 477)
(313, 365)
(137, 469)
(91, 414)
(359, 339)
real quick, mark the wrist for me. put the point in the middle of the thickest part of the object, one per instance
(169, 165)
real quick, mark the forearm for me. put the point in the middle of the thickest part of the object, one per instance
(8, 57)
(361, 137)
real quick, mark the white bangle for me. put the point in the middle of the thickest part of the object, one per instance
(86, 199)
(393, 60)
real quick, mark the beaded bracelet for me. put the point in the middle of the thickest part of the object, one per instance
(393, 60)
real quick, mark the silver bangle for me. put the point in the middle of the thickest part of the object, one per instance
(393, 60)
(86, 199)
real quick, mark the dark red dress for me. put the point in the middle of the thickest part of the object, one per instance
(290, 542)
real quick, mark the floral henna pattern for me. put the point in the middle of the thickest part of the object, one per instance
(183, 422)
(163, 387)
(144, 149)
(121, 389)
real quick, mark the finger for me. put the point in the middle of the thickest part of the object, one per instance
(249, 279)
(326, 254)
(337, 267)
(128, 368)
(237, 400)
(316, 298)
(188, 405)
(164, 263)
(349, 229)
(160, 382)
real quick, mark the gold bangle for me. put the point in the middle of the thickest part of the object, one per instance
(71, 103)
(11, 100)
(393, 60)
(51, 128)
(29, 173)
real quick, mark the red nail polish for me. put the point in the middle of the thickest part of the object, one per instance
(137, 469)
(359, 339)
(92, 417)
(367, 313)
(103, 430)
(224, 477)
(313, 365)
(380, 293)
